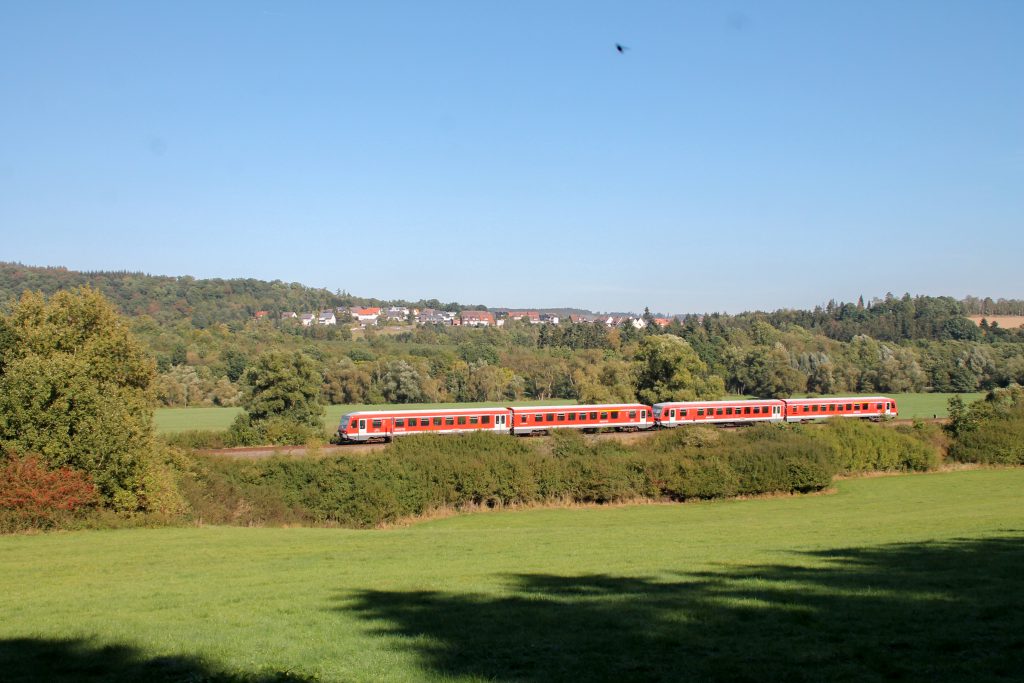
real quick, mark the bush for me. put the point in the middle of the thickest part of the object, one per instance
(419, 473)
(34, 497)
(861, 447)
(991, 431)
(198, 439)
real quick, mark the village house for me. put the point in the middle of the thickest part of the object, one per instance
(327, 318)
(529, 316)
(396, 313)
(429, 316)
(476, 318)
(365, 315)
(261, 315)
(289, 315)
(307, 319)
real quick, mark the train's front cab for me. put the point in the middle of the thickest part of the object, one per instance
(352, 428)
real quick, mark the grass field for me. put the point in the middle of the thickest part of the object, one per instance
(168, 420)
(912, 577)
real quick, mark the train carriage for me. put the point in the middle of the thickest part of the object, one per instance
(865, 407)
(741, 411)
(384, 425)
(620, 416)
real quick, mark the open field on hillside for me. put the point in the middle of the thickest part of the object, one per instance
(169, 420)
(1005, 321)
(914, 577)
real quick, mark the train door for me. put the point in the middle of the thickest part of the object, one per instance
(776, 412)
(499, 423)
(362, 427)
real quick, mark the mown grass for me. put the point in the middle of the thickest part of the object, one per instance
(915, 577)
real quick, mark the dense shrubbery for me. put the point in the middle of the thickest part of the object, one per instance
(35, 497)
(419, 474)
(989, 431)
(76, 389)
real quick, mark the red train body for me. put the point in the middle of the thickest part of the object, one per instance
(871, 407)
(384, 425)
(542, 419)
(673, 414)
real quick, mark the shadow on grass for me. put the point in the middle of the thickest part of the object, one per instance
(31, 659)
(930, 611)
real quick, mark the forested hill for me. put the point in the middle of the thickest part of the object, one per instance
(205, 302)
(172, 299)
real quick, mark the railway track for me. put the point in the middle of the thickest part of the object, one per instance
(256, 452)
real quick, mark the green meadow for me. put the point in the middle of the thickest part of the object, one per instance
(914, 577)
(170, 420)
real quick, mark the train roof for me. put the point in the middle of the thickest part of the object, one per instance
(432, 411)
(573, 407)
(839, 399)
(718, 403)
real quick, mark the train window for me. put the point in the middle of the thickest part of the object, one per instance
(572, 417)
(632, 414)
(615, 415)
(604, 416)
(523, 419)
(538, 418)
(462, 419)
(824, 408)
(757, 410)
(550, 417)
(746, 410)
(643, 414)
(671, 413)
(473, 419)
(362, 424)
(879, 406)
(593, 416)
(700, 412)
(728, 411)
(437, 422)
(376, 424)
(561, 417)
(583, 416)
(849, 406)
(449, 421)
(814, 409)
(486, 419)
(399, 422)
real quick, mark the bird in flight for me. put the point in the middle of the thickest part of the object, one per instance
(620, 48)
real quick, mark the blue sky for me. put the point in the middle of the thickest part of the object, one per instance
(738, 156)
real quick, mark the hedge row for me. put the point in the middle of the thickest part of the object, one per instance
(419, 474)
(990, 431)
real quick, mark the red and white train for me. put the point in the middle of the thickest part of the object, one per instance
(384, 425)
